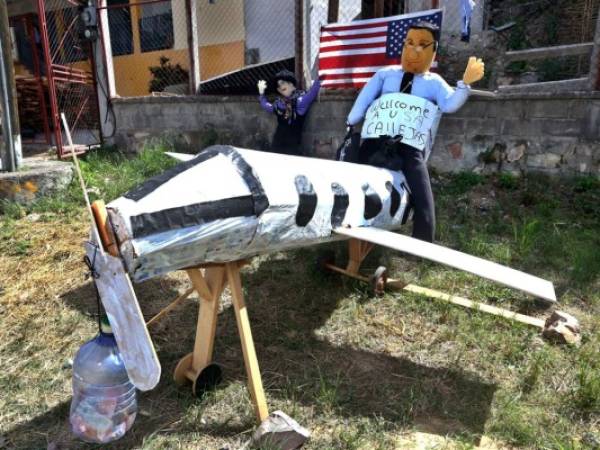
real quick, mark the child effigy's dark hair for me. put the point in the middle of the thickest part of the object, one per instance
(285, 75)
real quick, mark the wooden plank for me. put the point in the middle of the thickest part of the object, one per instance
(557, 51)
(241, 314)
(199, 283)
(475, 305)
(478, 266)
(126, 319)
(571, 85)
(206, 326)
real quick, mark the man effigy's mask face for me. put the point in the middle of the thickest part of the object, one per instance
(285, 88)
(418, 51)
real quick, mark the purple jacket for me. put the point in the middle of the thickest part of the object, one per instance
(303, 102)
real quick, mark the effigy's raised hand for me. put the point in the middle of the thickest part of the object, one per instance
(474, 71)
(262, 85)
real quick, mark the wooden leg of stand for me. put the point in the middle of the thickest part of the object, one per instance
(209, 287)
(357, 252)
(252, 369)
(207, 316)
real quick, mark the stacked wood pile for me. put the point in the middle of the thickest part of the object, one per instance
(30, 108)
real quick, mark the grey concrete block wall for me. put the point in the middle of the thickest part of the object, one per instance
(554, 133)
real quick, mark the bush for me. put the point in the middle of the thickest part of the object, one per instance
(167, 74)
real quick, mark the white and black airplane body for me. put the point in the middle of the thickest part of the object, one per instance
(229, 203)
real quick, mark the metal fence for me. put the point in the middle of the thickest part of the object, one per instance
(149, 45)
(150, 40)
(523, 25)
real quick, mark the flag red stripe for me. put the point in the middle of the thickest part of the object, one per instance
(345, 85)
(336, 62)
(332, 76)
(353, 37)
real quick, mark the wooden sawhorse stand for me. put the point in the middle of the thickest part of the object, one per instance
(197, 366)
(357, 252)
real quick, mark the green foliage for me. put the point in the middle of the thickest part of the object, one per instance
(585, 395)
(508, 181)
(167, 74)
(463, 182)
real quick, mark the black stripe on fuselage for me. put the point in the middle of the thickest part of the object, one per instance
(395, 198)
(373, 202)
(340, 205)
(191, 215)
(307, 200)
(260, 200)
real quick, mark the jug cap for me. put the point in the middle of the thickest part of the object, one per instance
(105, 325)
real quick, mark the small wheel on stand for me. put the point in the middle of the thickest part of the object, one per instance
(208, 379)
(378, 281)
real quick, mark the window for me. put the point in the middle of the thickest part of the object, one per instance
(156, 27)
(119, 23)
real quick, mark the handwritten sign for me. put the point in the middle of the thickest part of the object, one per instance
(409, 116)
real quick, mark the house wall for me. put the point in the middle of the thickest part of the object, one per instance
(550, 132)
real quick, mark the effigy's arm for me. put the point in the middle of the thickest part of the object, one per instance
(367, 95)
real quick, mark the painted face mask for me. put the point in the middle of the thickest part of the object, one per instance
(418, 51)
(285, 88)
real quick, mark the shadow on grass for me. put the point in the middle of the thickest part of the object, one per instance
(288, 306)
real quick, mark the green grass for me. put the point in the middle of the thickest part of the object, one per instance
(359, 372)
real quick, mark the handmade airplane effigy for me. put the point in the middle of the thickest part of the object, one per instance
(213, 211)
(227, 204)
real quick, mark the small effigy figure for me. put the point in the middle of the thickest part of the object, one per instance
(290, 109)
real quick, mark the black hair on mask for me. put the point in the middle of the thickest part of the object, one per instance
(432, 28)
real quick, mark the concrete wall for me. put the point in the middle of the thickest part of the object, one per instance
(555, 133)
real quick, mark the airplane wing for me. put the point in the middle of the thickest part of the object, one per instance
(478, 266)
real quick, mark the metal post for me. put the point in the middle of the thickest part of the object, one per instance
(595, 61)
(299, 53)
(10, 117)
(378, 8)
(333, 11)
(191, 7)
(50, 77)
(106, 49)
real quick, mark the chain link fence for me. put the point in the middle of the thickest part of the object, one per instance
(150, 40)
(149, 45)
(533, 24)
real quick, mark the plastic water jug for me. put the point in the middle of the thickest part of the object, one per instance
(104, 402)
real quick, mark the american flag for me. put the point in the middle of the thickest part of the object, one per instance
(350, 53)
